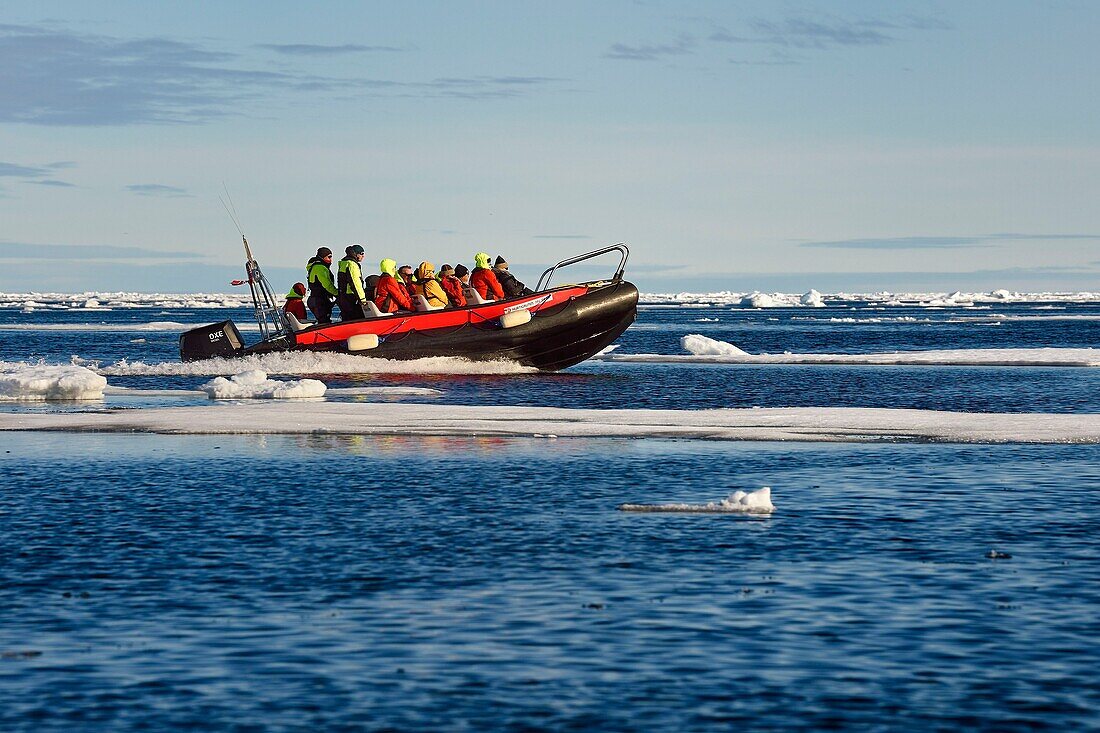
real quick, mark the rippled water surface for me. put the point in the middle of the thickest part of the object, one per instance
(254, 583)
(206, 583)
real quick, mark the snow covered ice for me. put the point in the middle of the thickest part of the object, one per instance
(813, 424)
(707, 350)
(254, 384)
(23, 382)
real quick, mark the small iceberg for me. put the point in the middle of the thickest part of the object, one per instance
(700, 345)
(739, 502)
(758, 300)
(812, 299)
(254, 384)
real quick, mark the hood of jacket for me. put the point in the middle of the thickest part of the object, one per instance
(426, 271)
(481, 259)
(388, 267)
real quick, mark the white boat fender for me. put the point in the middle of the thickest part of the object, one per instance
(363, 341)
(515, 318)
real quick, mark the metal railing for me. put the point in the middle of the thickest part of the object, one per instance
(548, 274)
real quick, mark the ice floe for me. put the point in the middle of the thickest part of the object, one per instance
(835, 424)
(703, 349)
(255, 384)
(883, 298)
(241, 299)
(33, 382)
(739, 502)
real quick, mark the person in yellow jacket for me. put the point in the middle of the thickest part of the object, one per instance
(424, 283)
(349, 283)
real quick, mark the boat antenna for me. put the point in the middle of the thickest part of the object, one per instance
(268, 316)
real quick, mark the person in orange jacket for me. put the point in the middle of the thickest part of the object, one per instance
(452, 286)
(390, 293)
(484, 281)
(429, 287)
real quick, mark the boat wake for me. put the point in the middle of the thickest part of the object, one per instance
(306, 362)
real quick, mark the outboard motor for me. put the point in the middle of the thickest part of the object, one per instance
(207, 342)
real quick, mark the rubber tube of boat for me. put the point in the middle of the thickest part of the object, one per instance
(363, 341)
(515, 318)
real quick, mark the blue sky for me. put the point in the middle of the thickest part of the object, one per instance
(733, 145)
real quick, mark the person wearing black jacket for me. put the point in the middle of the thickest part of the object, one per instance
(508, 283)
(322, 290)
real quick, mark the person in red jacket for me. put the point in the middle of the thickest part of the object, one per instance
(390, 293)
(407, 276)
(484, 281)
(294, 303)
(452, 286)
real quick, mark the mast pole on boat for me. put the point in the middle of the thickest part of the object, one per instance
(268, 316)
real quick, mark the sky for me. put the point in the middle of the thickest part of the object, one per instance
(774, 146)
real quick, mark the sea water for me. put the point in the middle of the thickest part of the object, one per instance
(472, 582)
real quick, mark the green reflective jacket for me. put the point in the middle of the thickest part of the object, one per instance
(350, 277)
(319, 278)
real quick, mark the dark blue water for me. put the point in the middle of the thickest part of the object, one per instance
(337, 583)
(197, 583)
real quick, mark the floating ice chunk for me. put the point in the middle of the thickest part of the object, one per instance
(703, 346)
(42, 382)
(812, 299)
(739, 502)
(758, 300)
(254, 384)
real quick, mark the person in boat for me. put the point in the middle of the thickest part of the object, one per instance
(484, 280)
(452, 286)
(429, 287)
(463, 274)
(405, 272)
(512, 287)
(295, 305)
(390, 294)
(349, 282)
(322, 290)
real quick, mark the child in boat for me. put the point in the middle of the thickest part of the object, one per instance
(294, 303)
